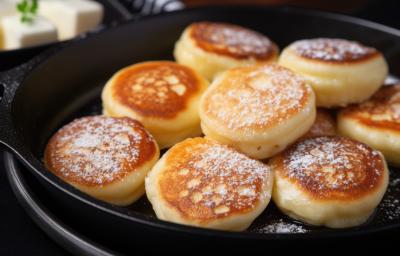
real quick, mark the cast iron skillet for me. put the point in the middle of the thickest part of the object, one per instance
(28, 194)
(65, 82)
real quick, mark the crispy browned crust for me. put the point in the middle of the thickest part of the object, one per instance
(331, 168)
(382, 111)
(232, 41)
(204, 180)
(335, 51)
(98, 150)
(159, 89)
(324, 125)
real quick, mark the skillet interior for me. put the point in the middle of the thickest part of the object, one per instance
(68, 84)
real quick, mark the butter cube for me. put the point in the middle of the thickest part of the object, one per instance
(72, 17)
(7, 8)
(16, 34)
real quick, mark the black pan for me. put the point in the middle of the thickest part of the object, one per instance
(65, 82)
(28, 194)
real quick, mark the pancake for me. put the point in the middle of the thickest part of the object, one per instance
(324, 125)
(376, 122)
(329, 181)
(212, 47)
(258, 110)
(105, 157)
(163, 95)
(341, 72)
(202, 183)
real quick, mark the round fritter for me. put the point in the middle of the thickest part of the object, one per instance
(203, 183)
(212, 47)
(105, 157)
(259, 110)
(376, 122)
(329, 180)
(163, 95)
(341, 72)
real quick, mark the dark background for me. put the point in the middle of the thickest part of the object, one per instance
(20, 236)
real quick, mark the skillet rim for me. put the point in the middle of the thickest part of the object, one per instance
(34, 165)
(51, 224)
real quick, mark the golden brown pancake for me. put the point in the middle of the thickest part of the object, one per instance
(163, 95)
(232, 40)
(329, 180)
(376, 122)
(332, 168)
(341, 72)
(156, 89)
(258, 110)
(256, 97)
(333, 50)
(382, 111)
(203, 183)
(212, 47)
(96, 152)
(324, 125)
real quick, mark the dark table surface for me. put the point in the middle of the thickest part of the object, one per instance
(19, 235)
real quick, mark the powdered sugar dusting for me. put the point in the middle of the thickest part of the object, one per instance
(232, 39)
(226, 180)
(333, 163)
(96, 149)
(256, 97)
(390, 204)
(395, 182)
(282, 227)
(233, 175)
(328, 49)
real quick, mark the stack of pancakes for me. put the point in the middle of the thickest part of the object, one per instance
(268, 132)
